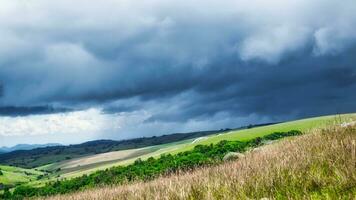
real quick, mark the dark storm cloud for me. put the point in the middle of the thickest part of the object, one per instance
(1, 90)
(179, 61)
(15, 111)
(120, 109)
(317, 86)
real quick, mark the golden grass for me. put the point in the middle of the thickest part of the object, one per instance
(317, 165)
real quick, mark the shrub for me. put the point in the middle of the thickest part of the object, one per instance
(233, 156)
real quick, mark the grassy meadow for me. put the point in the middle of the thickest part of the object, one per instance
(318, 165)
(15, 175)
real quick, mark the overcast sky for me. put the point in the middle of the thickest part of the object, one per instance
(72, 71)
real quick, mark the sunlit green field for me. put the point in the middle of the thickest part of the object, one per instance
(247, 134)
(15, 175)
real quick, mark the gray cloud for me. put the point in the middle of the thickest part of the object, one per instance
(30, 110)
(179, 61)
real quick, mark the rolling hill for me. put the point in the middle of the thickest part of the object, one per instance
(69, 170)
(47, 155)
(317, 165)
(87, 164)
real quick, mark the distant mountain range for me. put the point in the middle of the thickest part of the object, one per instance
(26, 147)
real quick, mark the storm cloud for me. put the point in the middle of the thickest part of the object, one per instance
(24, 111)
(178, 63)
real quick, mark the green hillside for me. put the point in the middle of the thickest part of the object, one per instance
(317, 165)
(176, 147)
(202, 155)
(53, 154)
(86, 165)
(247, 134)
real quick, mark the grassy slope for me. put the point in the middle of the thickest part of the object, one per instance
(318, 165)
(99, 158)
(154, 151)
(246, 134)
(15, 175)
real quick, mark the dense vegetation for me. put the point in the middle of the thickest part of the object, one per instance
(148, 169)
(42, 156)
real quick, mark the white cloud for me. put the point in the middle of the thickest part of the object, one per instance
(90, 121)
(333, 40)
(67, 127)
(271, 44)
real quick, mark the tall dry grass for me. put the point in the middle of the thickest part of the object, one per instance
(318, 165)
